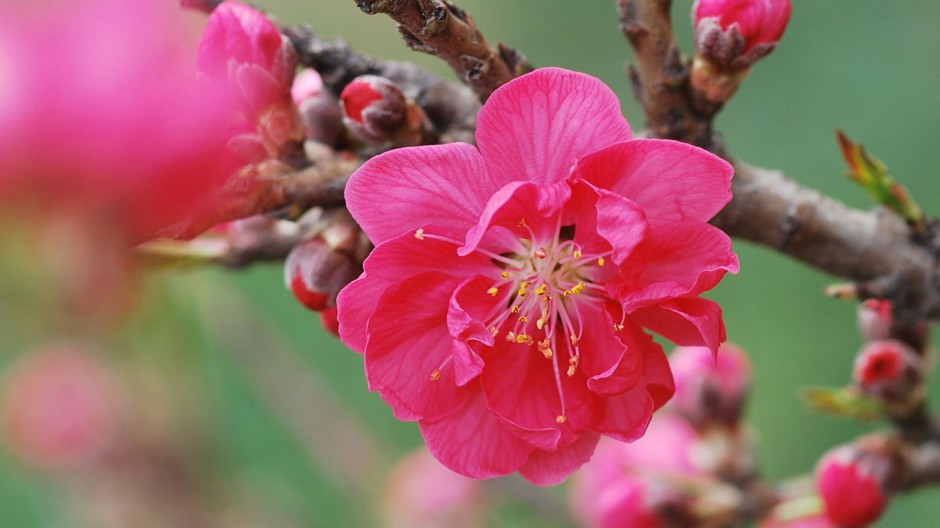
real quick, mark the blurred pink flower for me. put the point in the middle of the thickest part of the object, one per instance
(710, 389)
(851, 481)
(58, 407)
(624, 485)
(106, 123)
(503, 306)
(422, 492)
(243, 51)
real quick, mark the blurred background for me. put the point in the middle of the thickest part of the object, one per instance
(237, 391)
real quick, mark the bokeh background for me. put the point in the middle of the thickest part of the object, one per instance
(278, 409)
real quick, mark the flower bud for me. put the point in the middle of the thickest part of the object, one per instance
(58, 407)
(422, 492)
(330, 320)
(852, 482)
(638, 484)
(875, 318)
(316, 272)
(243, 50)
(376, 111)
(735, 33)
(710, 390)
(319, 109)
(890, 371)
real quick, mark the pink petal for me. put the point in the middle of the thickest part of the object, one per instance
(611, 367)
(399, 191)
(670, 180)
(685, 322)
(473, 441)
(535, 127)
(677, 259)
(513, 203)
(519, 383)
(390, 263)
(548, 468)
(622, 223)
(625, 417)
(469, 306)
(407, 356)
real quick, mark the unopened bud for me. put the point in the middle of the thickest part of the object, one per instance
(307, 83)
(376, 110)
(875, 317)
(319, 109)
(58, 407)
(732, 34)
(891, 372)
(710, 390)
(329, 318)
(852, 482)
(315, 272)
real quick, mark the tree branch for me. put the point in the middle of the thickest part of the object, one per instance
(440, 28)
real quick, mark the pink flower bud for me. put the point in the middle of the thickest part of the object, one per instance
(58, 407)
(422, 492)
(330, 320)
(243, 51)
(315, 272)
(851, 481)
(307, 83)
(375, 109)
(888, 370)
(739, 30)
(875, 318)
(710, 389)
(633, 485)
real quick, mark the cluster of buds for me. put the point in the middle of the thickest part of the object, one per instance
(244, 53)
(323, 264)
(730, 36)
(684, 470)
(376, 111)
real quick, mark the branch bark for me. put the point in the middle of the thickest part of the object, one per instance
(440, 28)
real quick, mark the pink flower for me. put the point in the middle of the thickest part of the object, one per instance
(422, 492)
(710, 390)
(106, 123)
(625, 485)
(502, 308)
(58, 407)
(244, 52)
(754, 22)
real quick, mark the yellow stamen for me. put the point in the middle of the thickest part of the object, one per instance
(523, 286)
(572, 365)
(561, 418)
(505, 274)
(601, 262)
(577, 254)
(524, 339)
(545, 347)
(436, 375)
(618, 327)
(543, 289)
(574, 340)
(494, 331)
(419, 234)
(493, 291)
(523, 319)
(514, 309)
(578, 288)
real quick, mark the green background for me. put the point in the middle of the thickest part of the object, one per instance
(866, 66)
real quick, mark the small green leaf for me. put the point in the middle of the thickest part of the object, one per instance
(872, 175)
(846, 402)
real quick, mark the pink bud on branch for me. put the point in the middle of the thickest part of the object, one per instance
(852, 481)
(376, 111)
(710, 389)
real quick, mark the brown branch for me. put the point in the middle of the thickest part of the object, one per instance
(440, 28)
(661, 75)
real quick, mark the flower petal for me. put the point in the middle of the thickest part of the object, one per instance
(407, 356)
(677, 259)
(609, 364)
(535, 127)
(445, 186)
(685, 322)
(548, 468)
(355, 304)
(473, 441)
(670, 180)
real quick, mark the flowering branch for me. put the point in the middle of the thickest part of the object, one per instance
(440, 28)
